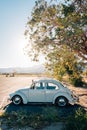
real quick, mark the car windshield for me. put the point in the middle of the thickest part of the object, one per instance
(32, 85)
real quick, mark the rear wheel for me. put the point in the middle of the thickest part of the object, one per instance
(61, 101)
(17, 100)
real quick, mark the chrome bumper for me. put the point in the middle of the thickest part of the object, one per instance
(75, 99)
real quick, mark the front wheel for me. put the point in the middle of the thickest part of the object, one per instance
(17, 100)
(61, 101)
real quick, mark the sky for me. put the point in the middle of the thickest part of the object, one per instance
(13, 18)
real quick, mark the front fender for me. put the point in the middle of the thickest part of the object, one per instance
(22, 95)
(66, 95)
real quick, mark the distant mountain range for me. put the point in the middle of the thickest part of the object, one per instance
(32, 70)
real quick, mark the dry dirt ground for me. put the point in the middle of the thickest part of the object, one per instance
(11, 84)
(82, 93)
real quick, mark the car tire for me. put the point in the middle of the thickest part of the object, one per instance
(61, 101)
(17, 100)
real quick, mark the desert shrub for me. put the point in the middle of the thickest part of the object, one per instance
(78, 121)
(50, 114)
(23, 118)
(85, 73)
(76, 81)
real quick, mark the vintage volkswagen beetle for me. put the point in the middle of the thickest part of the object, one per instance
(44, 91)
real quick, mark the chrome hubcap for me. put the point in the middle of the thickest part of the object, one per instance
(61, 102)
(16, 100)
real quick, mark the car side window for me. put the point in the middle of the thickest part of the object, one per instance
(39, 85)
(51, 86)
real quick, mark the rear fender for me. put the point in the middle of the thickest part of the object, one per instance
(67, 96)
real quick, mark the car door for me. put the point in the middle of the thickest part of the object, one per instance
(51, 90)
(38, 93)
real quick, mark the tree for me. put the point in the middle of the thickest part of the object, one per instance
(61, 61)
(59, 31)
(59, 24)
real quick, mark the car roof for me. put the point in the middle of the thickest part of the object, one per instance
(47, 80)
